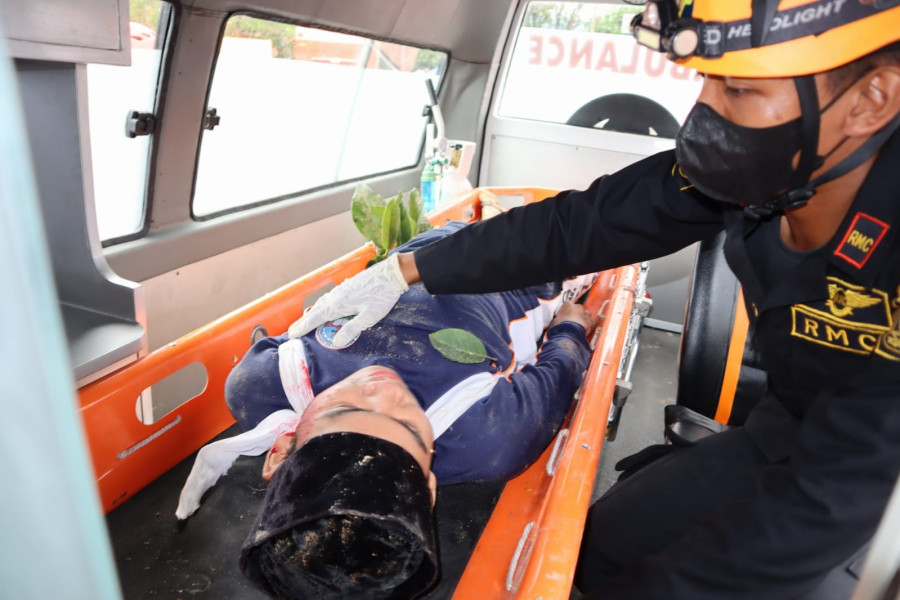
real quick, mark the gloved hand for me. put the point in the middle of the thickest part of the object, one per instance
(370, 295)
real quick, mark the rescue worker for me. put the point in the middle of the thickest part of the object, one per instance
(792, 149)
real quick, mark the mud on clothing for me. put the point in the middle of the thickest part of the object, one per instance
(828, 329)
(515, 401)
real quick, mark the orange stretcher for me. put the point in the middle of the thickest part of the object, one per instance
(529, 546)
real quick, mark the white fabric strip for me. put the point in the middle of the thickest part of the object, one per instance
(457, 400)
(295, 374)
(216, 458)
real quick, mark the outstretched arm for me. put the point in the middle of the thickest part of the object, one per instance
(644, 211)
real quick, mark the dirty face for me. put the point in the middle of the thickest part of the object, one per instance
(372, 401)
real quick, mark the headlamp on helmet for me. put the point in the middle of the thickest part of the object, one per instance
(661, 27)
(762, 38)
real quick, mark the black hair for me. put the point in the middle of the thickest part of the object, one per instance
(839, 77)
(346, 515)
(337, 557)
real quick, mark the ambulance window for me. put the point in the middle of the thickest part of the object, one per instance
(304, 108)
(120, 162)
(577, 64)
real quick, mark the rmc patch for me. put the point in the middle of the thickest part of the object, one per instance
(861, 239)
(853, 319)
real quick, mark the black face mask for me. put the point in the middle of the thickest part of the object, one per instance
(754, 167)
(731, 163)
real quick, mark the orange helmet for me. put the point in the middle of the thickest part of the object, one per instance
(767, 38)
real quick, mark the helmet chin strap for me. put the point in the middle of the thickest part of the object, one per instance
(810, 123)
(801, 188)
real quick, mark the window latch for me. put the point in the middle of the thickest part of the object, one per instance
(211, 119)
(138, 123)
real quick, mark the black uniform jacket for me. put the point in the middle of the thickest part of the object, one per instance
(828, 329)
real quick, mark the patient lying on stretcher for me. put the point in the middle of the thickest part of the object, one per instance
(357, 438)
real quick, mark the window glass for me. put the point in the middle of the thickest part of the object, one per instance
(120, 162)
(301, 108)
(577, 64)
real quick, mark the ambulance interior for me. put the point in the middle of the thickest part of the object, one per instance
(175, 184)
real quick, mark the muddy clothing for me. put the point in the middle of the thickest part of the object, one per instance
(826, 437)
(492, 419)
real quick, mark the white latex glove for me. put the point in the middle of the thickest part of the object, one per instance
(370, 295)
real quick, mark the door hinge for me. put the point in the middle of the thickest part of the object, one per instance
(138, 123)
(211, 119)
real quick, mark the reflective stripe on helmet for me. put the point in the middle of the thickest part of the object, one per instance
(790, 24)
(801, 37)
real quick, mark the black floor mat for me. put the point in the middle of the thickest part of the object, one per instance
(159, 558)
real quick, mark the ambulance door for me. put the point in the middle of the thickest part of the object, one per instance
(576, 98)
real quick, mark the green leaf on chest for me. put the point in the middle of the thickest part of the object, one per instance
(459, 346)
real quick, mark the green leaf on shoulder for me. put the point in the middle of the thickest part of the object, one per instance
(367, 209)
(390, 224)
(387, 223)
(459, 346)
(407, 224)
(419, 222)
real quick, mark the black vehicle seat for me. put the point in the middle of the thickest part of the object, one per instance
(719, 371)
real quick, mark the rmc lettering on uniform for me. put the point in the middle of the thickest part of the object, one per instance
(862, 238)
(817, 327)
(852, 319)
(858, 240)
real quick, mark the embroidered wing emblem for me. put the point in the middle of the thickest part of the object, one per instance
(841, 301)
